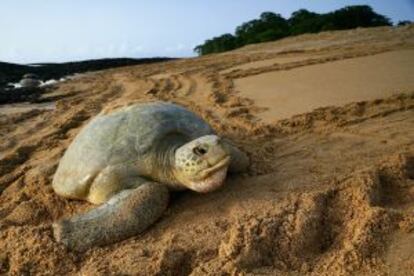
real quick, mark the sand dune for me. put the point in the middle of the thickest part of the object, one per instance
(330, 190)
(302, 89)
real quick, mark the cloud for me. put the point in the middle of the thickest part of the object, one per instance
(177, 48)
(60, 52)
(139, 49)
(123, 49)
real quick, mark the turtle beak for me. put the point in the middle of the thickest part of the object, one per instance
(213, 181)
(224, 162)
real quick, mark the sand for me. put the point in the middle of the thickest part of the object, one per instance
(302, 89)
(330, 190)
(8, 109)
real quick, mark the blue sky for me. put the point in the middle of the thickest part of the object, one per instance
(54, 31)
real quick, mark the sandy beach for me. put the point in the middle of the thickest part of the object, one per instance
(326, 119)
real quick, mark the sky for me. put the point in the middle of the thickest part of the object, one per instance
(57, 31)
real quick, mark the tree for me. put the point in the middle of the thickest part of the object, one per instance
(404, 22)
(218, 44)
(271, 26)
(354, 16)
(304, 21)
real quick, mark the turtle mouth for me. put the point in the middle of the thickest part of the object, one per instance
(217, 167)
(212, 178)
(211, 183)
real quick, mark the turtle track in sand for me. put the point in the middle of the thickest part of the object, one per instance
(328, 192)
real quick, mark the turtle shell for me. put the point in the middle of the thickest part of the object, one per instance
(127, 135)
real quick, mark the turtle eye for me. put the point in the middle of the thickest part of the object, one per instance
(200, 151)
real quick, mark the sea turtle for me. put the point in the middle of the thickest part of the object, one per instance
(128, 161)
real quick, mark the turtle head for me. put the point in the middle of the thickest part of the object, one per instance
(201, 164)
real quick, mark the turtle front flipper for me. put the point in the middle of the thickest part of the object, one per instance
(126, 214)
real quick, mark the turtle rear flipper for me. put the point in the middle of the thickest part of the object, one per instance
(126, 214)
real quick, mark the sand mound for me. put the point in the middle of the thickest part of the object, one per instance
(330, 191)
(302, 89)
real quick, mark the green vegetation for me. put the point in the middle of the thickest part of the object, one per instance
(404, 23)
(271, 26)
(10, 72)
